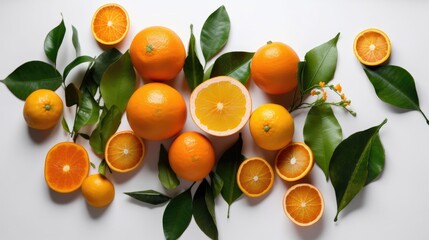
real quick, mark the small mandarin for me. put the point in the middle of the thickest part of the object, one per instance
(43, 109)
(98, 191)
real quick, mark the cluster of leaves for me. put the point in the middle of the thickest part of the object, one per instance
(102, 93)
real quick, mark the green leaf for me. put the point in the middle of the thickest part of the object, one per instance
(376, 160)
(106, 127)
(102, 168)
(349, 167)
(65, 125)
(177, 215)
(193, 69)
(73, 95)
(227, 167)
(166, 175)
(31, 76)
(215, 33)
(321, 63)
(204, 211)
(216, 183)
(77, 61)
(75, 41)
(208, 72)
(103, 61)
(54, 40)
(395, 85)
(149, 196)
(322, 133)
(87, 113)
(118, 83)
(234, 64)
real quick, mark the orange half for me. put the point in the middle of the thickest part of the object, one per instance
(110, 24)
(255, 177)
(372, 47)
(294, 161)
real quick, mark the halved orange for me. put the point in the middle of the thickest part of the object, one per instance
(124, 151)
(255, 176)
(66, 167)
(220, 106)
(303, 204)
(372, 47)
(110, 24)
(294, 161)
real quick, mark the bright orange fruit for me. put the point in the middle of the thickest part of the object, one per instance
(110, 24)
(66, 167)
(98, 191)
(43, 109)
(124, 151)
(303, 204)
(372, 47)
(294, 161)
(255, 176)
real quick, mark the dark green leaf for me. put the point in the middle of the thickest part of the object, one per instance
(376, 160)
(31, 76)
(65, 125)
(177, 215)
(322, 133)
(166, 175)
(215, 33)
(216, 183)
(73, 95)
(75, 41)
(106, 127)
(54, 40)
(349, 167)
(87, 113)
(88, 82)
(103, 61)
(118, 83)
(321, 63)
(234, 64)
(227, 170)
(149, 196)
(74, 63)
(208, 72)
(85, 136)
(203, 210)
(395, 85)
(193, 69)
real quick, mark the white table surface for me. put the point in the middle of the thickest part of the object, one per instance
(393, 207)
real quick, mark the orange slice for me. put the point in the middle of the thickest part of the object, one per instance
(372, 47)
(66, 167)
(303, 204)
(124, 151)
(294, 161)
(110, 24)
(255, 177)
(220, 106)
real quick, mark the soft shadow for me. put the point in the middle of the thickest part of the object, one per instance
(39, 136)
(63, 198)
(311, 232)
(96, 212)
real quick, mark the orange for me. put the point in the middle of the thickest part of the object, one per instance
(255, 177)
(303, 204)
(271, 126)
(294, 161)
(43, 109)
(66, 167)
(124, 151)
(156, 111)
(191, 156)
(372, 47)
(157, 53)
(98, 191)
(274, 68)
(110, 24)
(220, 106)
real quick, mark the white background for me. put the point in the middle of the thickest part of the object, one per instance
(393, 207)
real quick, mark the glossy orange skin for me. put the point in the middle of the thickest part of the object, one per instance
(43, 109)
(98, 191)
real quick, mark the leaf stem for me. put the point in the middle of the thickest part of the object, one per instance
(427, 120)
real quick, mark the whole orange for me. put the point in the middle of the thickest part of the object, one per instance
(191, 156)
(274, 68)
(156, 111)
(157, 53)
(98, 191)
(43, 109)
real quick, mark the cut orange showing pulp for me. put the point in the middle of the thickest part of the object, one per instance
(220, 106)
(66, 167)
(124, 151)
(110, 24)
(303, 204)
(255, 176)
(294, 161)
(372, 47)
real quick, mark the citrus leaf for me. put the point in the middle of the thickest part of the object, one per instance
(216, 183)
(77, 61)
(118, 83)
(75, 41)
(102, 167)
(109, 123)
(234, 64)
(103, 61)
(65, 125)
(88, 112)
(376, 160)
(395, 85)
(53, 41)
(322, 133)
(349, 167)
(72, 95)
(208, 72)
(227, 167)
(166, 175)
(31, 76)
(215, 33)
(193, 69)
(203, 210)
(149, 196)
(321, 63)
(177, 215)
